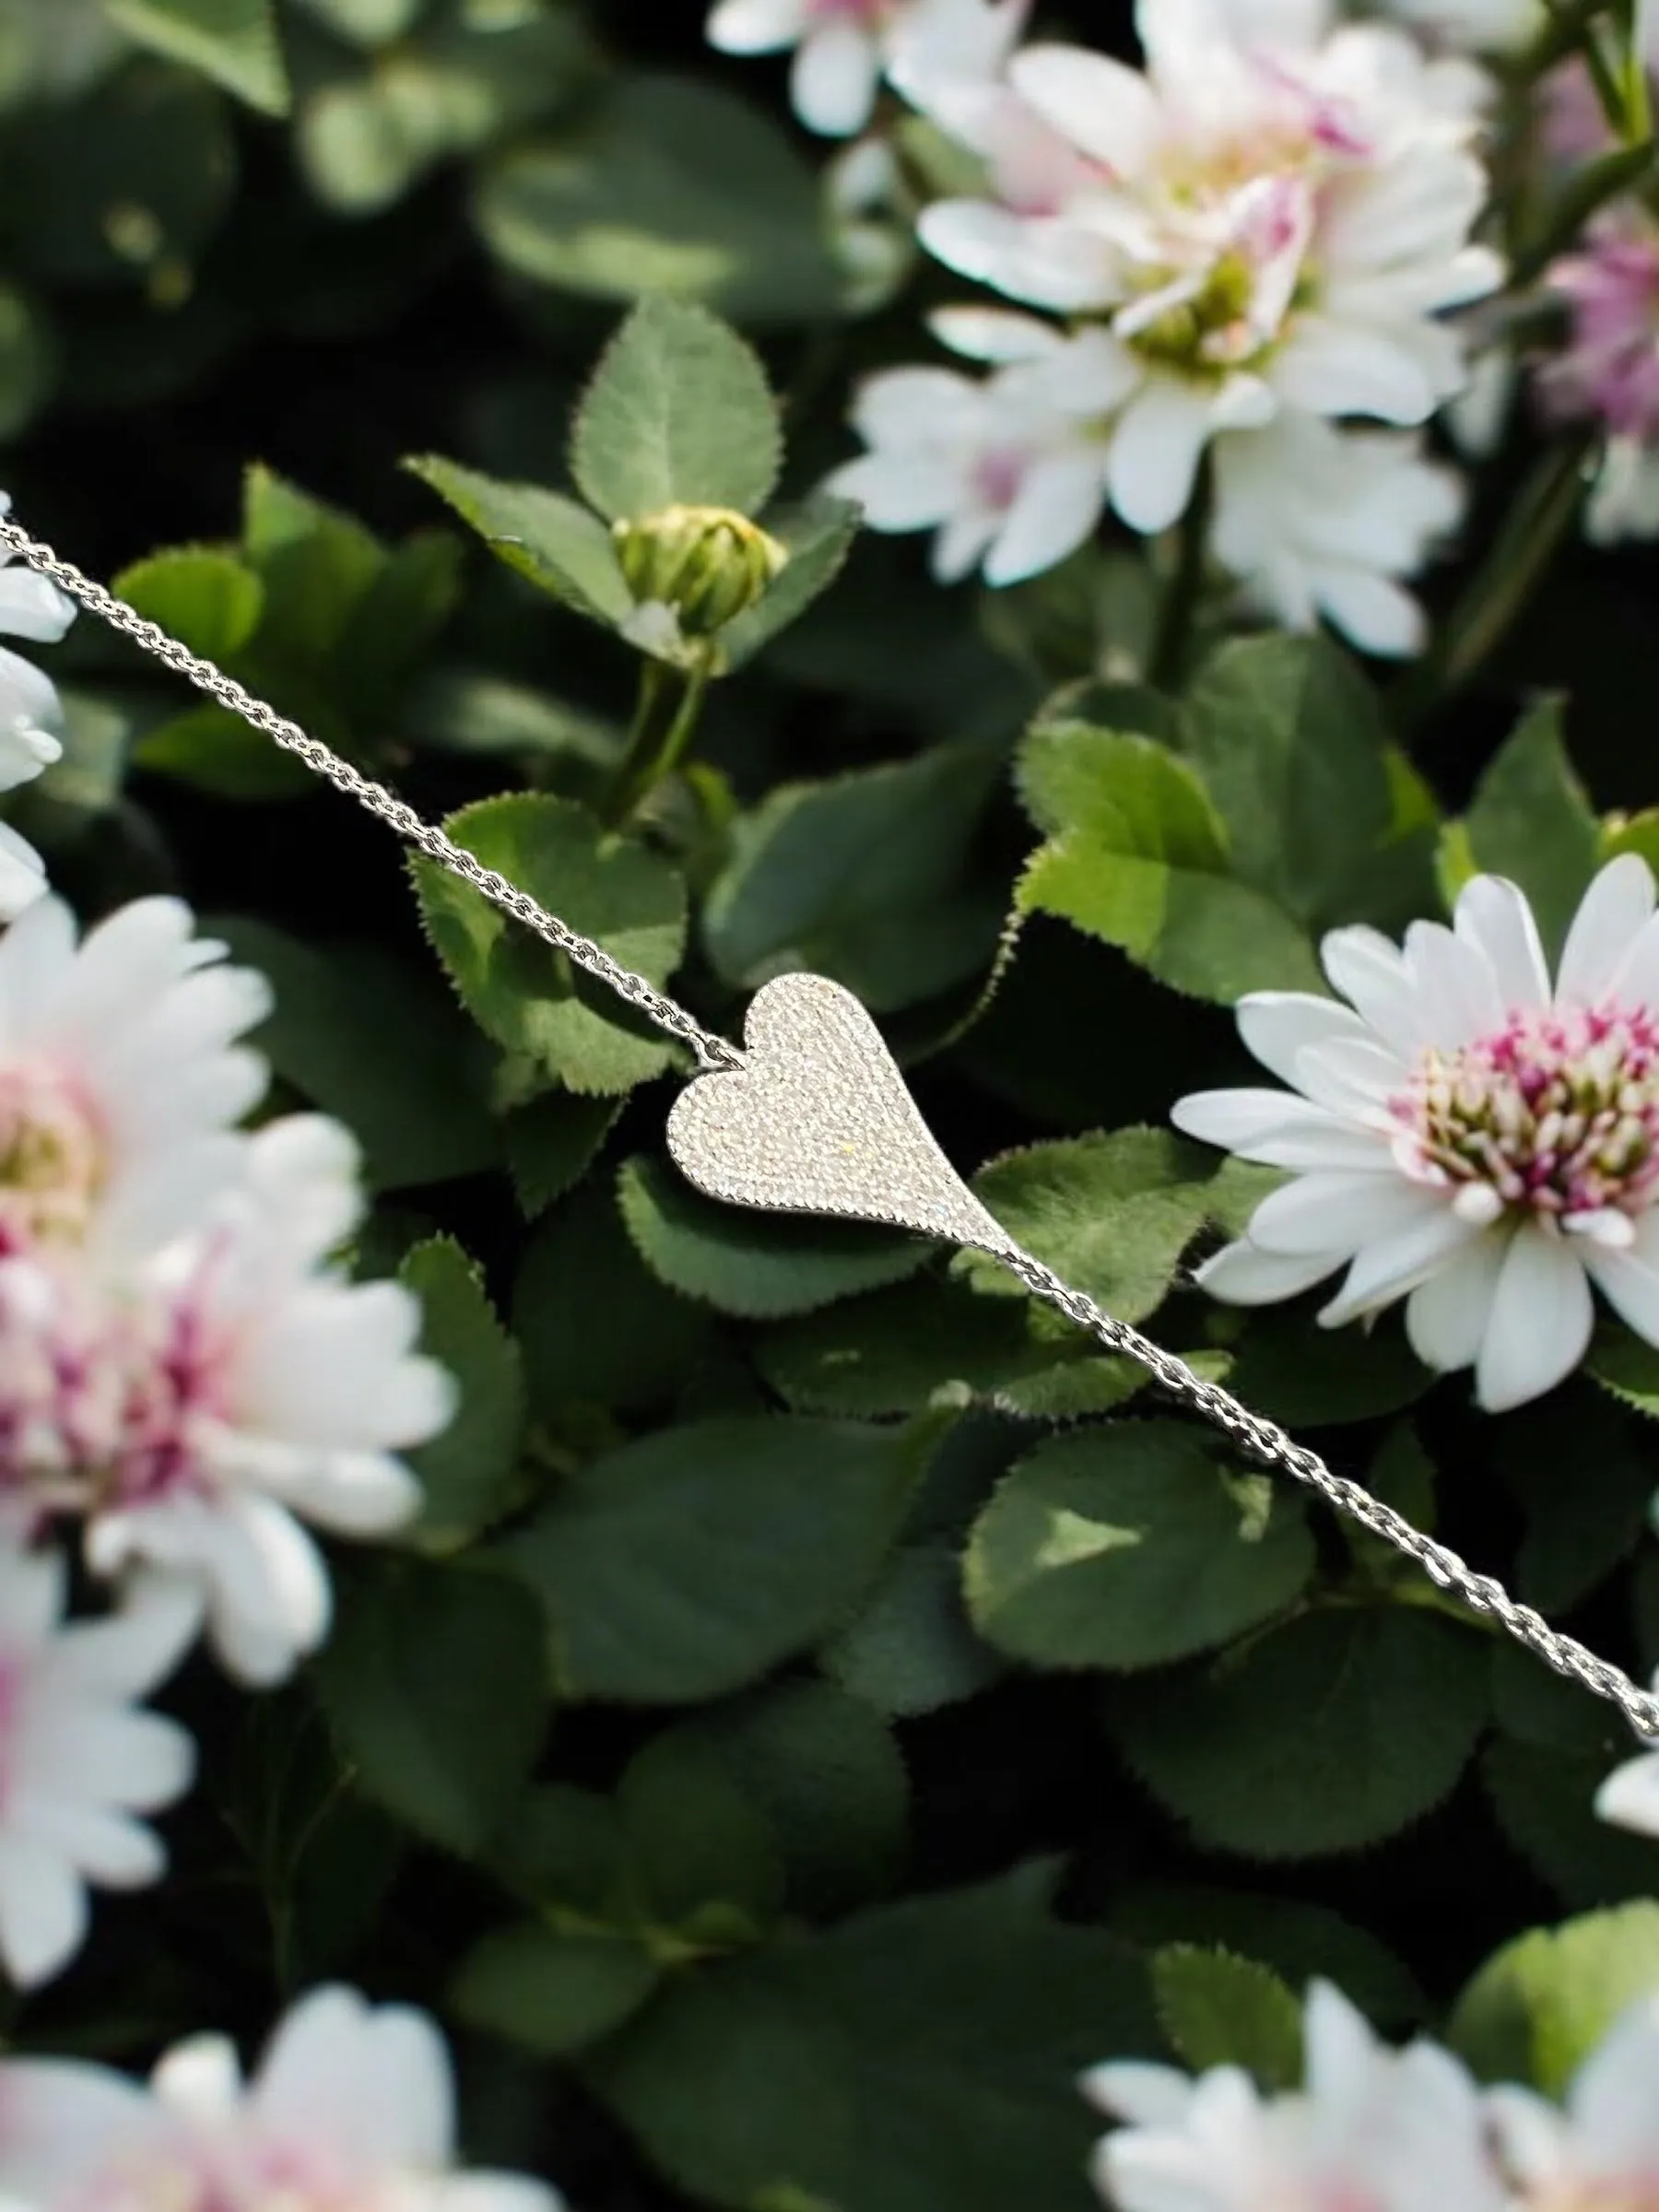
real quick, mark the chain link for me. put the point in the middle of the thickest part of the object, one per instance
(1261, 1439)
(711, 1052)
(1265, 1441)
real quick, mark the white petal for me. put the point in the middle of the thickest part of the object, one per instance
(31, 608)
(1275, 1128)
(1612, 2100)
(900, 491)
(1155, 451)
(1446, 1316)
(373, 2086)
(1244, 1275)
(1341, 2047)
(1495, 916)
(1333, 368)
(1373, 976)
(1107, 110)
(1277, 1025)
(837, 70)
(1337, 1210)
(1373, 611)
(1054, 513)
(1540, 1324)
(757, 25)
(1630, 1797)
(1139, 2092)
(1044, 261)
(1629, 1283)
(1397, 1261)
(995, 334)
(42, 1909)
(1611, 916)
(22, 875)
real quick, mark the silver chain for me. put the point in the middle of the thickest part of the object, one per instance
(711, 1052)
(1259, 1438)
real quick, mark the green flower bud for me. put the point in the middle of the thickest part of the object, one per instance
(707, 563)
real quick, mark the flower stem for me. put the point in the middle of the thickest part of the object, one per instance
(1167, 664)
(666, 718)
(1523, 549)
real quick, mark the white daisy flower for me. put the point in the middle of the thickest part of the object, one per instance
(1278, 212)
(1630, 1797)
(30, 714)
(120, 1078)
(352, 2105)
(261, 1392)
(1010, 470)
(1393, 2131)
(1601, 2153)
(1321, 523)
(77, 1763)
(1461, 1134)
(844, 47)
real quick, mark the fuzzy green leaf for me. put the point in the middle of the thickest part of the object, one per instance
(553, 1992)
(526, 996)
(689, 1563)
(818, 535)
(207, 599)
(468, 1474)
(911, 1648)
(1538, 2010)
(436, 1688)
(1530, 821)
(759, 1266)
(680, 413)
(1323, 1735)
(541, 534)
(1128, 1546)
(1138, 858)
(1221, 2010)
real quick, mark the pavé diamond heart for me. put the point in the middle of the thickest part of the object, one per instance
(818, 1121)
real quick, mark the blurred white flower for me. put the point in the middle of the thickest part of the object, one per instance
(1317, 522)
(844, 47)
(1010, 470)
(1601, 2153)
(1461, 1135)
(1275, 214)
(1393, 2131)
(120, 1078)
(1608, 373)
(30, 714)
(1499, 27)
(1630, 1798)
(262, 1391)
(76, 1761)
(352, 2105)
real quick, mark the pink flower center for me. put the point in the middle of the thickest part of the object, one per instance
(228, 2177)
(998, 474)
(1555, 1113)
(52, 1158)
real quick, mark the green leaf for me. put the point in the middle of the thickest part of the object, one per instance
(552, 1142)
(469, 1474)
(912, 1649)
(541, 534)
(317, 566)
(1290, 741)
(216, 752)
(1139, 859)
(674, 187)
(1113, 1213)
(596, 1327)
(1323, 1735)
(938, 1342)
(366, 1038)
(1530, 821)
(861, 878)
(702, 1856)
(553, 1991)
(1221, 2010)
(233, 42)
(436, 1688)
(1301, 1942)
(818, 535)
(1538, 2010)
(28, 359)
(209, 600)
(1286, 1366)
(1129, 1546)
(919, 2055)
(528, 998)
(752, 1264)
(828, 1776)
(693, 1561)
(1626, 1365)
(1586, 1483)
(1543, 1800)
(679, 413)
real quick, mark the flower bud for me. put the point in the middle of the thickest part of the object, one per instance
(708, 563)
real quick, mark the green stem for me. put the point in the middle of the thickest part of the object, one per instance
(1173, 642)
(1524, 546)
(670, 706)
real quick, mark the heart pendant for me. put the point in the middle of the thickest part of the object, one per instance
(818, 1121)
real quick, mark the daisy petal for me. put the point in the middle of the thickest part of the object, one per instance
(1540, 1322)
(1611, 916)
